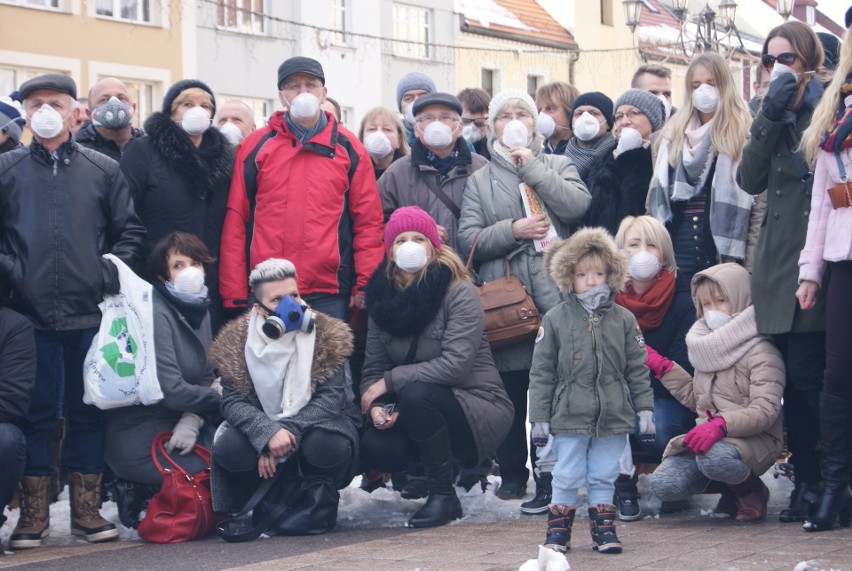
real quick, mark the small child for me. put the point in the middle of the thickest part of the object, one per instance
(587, 383)
(736, 391)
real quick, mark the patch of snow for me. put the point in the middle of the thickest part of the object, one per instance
(488, 12)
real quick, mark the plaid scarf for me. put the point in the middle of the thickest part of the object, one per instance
(585, 159)
(838, 137)
(730, 206)
(304, 134)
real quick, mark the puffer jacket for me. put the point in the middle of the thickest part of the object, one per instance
(588, 373)
(747, 395)
(57, 218)
(492, 202)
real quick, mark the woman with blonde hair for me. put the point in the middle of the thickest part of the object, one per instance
(693, 190)
(429, 387)
(827, 144)
(793, 55)
(383, 137)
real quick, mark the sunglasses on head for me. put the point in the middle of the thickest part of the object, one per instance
(786, 58)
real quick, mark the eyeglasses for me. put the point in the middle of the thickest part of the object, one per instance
(481, 123)
(448, 118)
(297, 86)
(786, 58)
(633, 114)
(508, 116)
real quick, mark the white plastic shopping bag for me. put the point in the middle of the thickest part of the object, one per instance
(120, 368)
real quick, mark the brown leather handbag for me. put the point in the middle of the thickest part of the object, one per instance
(511, 317)
(840, 194)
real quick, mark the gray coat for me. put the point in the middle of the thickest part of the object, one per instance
(451, 350)
(185, 376)
(492, 202)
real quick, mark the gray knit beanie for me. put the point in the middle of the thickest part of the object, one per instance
(414, 80)
(520, 97)
(647, 103)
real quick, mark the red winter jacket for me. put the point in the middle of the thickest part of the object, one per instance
(317, 205)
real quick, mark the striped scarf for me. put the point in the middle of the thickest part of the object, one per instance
(838, 137)
(585, 159)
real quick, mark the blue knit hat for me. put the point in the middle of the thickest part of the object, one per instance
(414, 80)
(11, 120)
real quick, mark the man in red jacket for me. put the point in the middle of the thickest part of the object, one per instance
(303, 189)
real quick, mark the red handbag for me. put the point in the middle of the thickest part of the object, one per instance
(182, 510)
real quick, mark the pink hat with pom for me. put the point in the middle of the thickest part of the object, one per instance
(411, 219)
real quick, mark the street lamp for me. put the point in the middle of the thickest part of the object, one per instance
(728, 11)
(785, 7)
(679, 8)
(632, 11)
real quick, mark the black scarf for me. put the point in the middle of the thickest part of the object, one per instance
(404, 313)
(194, 313)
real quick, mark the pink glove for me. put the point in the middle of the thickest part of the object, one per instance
(658, 364)
(703, 436)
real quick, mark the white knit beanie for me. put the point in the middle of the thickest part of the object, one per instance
(517, 96)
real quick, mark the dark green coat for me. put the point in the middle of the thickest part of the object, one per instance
(768, 165)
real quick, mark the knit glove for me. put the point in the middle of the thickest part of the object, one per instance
(647, 427)
(539, 433)
(185, 433)
(703, 436)
(779, 96)
(658, 364)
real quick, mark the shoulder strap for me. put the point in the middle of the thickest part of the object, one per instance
(442, 196)
(250, 169)
(841, 170)
(469, 264)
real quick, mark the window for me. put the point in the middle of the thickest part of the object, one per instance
(606, 12)
(130, 10)
(241, 16)
(347, 116)
(339, 21)
(11, 78)
(488, 76)
(261, 108)
(49, 4)
(412, 31)
(533, 81)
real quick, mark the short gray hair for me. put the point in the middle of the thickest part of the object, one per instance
(271, 270)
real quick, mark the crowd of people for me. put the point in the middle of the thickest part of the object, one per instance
(314, 318)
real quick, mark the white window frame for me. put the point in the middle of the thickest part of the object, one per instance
(341, 10)
(159, 79)
(247, 22)
(60, 5)
(153, 11)
(262, 108)
(406, 30)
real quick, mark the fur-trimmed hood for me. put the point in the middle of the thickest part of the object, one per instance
(561, 257)
(332, 348)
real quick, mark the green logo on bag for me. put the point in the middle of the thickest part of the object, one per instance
(120, 355)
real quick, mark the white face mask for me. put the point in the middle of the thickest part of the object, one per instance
(780, 69)
(705, 98)
(304, 106)
(515, 134)
(628, 139)
(378, 145)
(437, 135)
(411, 257)
(195, 121)
(644, 265)
(232, 133)
(409, 114)
(586, 127)
(666, 104)
(472, 133)
(716, 319)
(546, 125)
(190, 280)
(46, 122)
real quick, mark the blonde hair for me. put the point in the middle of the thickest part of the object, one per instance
(653, 231)
(558, 93)
(731, 121)
(807, 46)
(385, 114)
(706, 286)
(826, 111)
(589, 261)
(186, 94)
(446, 256)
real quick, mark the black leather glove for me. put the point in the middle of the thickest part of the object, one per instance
(779, 97)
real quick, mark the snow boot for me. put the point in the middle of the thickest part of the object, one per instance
(442, 505)
(86, 518)
(34, 521)
(476, 476)
(560, 518)
(752, 499)
(543, 494)
(602, 526)
(626, 497)
(130, 498)
(802, 500)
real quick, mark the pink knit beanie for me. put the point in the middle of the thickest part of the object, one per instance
(411, 219)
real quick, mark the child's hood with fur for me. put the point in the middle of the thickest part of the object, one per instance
(561, 257)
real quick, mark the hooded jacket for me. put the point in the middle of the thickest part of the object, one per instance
(588, 374)
(747, 395)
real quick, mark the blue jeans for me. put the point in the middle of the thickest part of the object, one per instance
(671, 419)
(59, 377)
(331, 304)
(585, 460)
(13, 455)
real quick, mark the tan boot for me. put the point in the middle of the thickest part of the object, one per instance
(86, 518)
(34, 521)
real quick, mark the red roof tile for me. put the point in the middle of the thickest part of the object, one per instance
(545, 30)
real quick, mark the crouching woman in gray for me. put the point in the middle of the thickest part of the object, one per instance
(284, 398)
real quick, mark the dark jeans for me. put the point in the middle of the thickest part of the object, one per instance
(512, 453)
(59, 377)
(671, 419)
(424, 409)
(331, 304)
(804, 357)
(13, 456)
(838, 332)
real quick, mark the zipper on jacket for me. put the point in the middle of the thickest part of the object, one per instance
(56, 312)
(597, 375)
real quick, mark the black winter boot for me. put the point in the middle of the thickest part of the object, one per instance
(476, 476)
(802, 500)
(560, 518)
(443, 505)
(130, 498)
(543, 495)
(602, 526)
(834, 425)
(626, 497)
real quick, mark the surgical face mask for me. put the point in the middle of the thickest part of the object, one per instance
(378, 145)
(644, 265)
(411, 257)
(472, 133)
(190, 280)
(705, 98)
(409, 113)
(46, 122)
(195, 121)
(288, 316)
(628, 139)
(780, 69)
(232, 133)
(515, 134)
(437, 135)
(304, 106)
(586, 127)
(716, 319)
(666, 104)
(113, 115)
(546, 125)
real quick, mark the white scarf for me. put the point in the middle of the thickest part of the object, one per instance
(280, 369)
